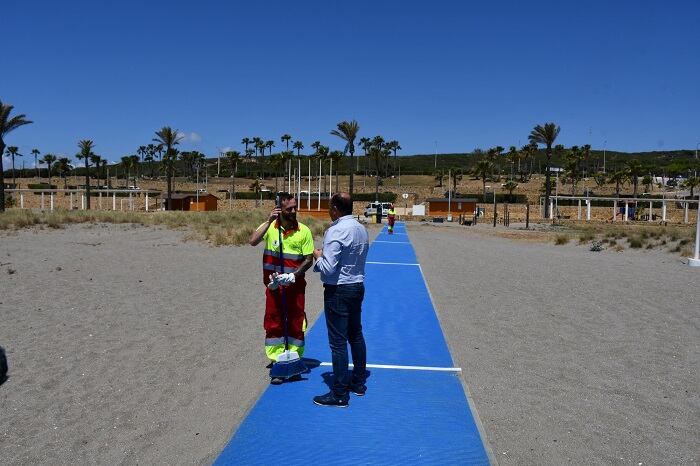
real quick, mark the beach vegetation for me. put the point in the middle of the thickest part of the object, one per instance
(216, 228)
(561, 239)
(7, 125)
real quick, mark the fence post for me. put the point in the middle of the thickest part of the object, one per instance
(614, 210)
(527, 216)
(21, 200)
(579, 209)
(663, 211)
(42, 200)
(51, 202)
(588, 210)
(114, 201)
(651, 212)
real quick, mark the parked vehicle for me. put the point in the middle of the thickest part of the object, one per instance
(373, 207)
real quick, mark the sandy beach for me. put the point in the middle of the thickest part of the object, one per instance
(131, 345)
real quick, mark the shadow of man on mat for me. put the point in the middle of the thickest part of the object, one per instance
(328, 377)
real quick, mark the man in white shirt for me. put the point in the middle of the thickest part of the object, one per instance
(341, 264)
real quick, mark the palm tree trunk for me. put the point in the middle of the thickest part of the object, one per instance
(352, 171)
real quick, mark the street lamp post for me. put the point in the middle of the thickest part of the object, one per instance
(696, 158)
(435, 155)
(605, 143)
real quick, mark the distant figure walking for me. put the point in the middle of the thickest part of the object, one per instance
(391, 217)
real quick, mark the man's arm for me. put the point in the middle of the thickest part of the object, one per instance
(328, 257)
(258, 234)
(306, 265)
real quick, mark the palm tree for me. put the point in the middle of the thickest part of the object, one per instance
(483, 169)
(256, 186)
(619, 178)
(322, 154)
(86, 153)
(127, 164)
(63, 166)
(347, 131)
(546, 135)
(648, 183)
(456, 174)
(298, 145)
(277, 162)
(269, 145)
(336, 156)
(168, 138)
(233, 157)
(512, 156)
(257, 144)
(394, 146)
(246, 142)
(13, 151)
(692, 183)
(439, 176)
(377, 152)
(634, 169)
(36, 153)
(96, 161)
(511, 186)
(49, 159)
(7, 125)
(286, 138)
(365, 144)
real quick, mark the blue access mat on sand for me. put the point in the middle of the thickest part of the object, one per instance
(415, 413)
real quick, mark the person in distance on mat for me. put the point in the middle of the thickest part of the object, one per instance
(341, 264)
(297, 248)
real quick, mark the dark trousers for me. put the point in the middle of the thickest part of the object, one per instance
(343, 310)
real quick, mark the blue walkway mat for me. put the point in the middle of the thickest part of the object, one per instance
(407, 416)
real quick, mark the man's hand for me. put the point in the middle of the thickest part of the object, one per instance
(318, 253)
(281, 279)
(274, 215)
(274, 283)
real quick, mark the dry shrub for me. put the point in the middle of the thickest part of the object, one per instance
(561, 239)
(586, 237)
(636, 242)
(618, 248)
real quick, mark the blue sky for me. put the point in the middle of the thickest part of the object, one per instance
(451, 74)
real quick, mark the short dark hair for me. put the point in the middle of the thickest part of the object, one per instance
(283, 196)
(343, 202)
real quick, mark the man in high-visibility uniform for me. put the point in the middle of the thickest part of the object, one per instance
(297, 250)
(391, 217)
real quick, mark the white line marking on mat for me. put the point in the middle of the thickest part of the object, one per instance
(391, 263)
(410, 368)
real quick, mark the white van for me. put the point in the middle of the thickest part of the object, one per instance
(372, 207)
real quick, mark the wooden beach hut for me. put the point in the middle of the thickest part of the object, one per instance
(191, 201)
(438, 206)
